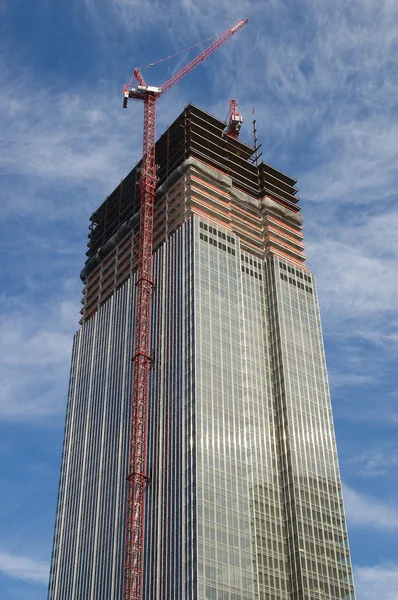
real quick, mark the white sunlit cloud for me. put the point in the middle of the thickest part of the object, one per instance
(23, 567)
(60, 139)
(356, 281)
(132, 15)
(369, 512)
(35, 347)
(377, 582)
(378, 460)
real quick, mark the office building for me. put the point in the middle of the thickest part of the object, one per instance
(244, 500)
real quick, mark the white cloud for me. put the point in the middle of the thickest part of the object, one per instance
(378, 582)
(135, 15)
(348, 379)
(69, 136)
(35, 350)
(352, 281)
(380, 460)
(356, 260)
(361, 160)
(368, 512)
(63, 151)
(23, 567)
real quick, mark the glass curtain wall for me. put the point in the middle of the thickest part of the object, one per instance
(171, 509)
(87, 559)
(244, 500)
(241, 541)
(315, 522)
(88, 549)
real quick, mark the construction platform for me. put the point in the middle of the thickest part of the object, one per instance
(194, 137)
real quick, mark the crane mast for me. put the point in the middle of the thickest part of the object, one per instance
(137, 478)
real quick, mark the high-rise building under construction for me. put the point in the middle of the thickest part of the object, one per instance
(244, 496)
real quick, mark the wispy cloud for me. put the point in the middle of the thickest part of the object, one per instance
(362, 153)
(35, 348)
(62, 152)
(368, 512)
(133, 15)
(379, 460)
(355, 255)
(377, 582)
(347, 379)
(23, 567)
(62, 139)
(354, 281)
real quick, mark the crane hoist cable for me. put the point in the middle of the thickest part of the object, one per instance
(153, 64)
(157, 62)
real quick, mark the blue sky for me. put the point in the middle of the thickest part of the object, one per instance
(322, 79)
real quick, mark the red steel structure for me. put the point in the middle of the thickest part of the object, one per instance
(137, 478)
(235, 120)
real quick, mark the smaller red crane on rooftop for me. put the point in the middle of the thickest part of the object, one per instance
(235, 120)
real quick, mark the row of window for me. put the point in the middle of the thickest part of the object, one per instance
(214, 231)
(220, 245)
(295, 272)
(296, 283)
(251, 261)
(251, 272)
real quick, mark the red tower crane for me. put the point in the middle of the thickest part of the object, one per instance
(235, 120)
(137, 478)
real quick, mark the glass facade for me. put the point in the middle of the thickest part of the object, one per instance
(317, 539)
(241, 551)
(87, 559)
(244, 500)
